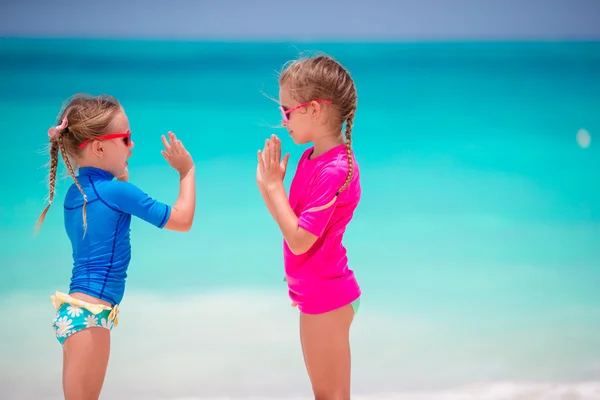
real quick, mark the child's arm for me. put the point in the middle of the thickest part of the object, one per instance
(128, 198)
(298, 239)
(265, 195)
(300, 233)
(182, 213)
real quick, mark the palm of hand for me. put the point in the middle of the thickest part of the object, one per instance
(176, 154)
(271, 168)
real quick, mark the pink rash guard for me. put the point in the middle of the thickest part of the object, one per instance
(320, 280)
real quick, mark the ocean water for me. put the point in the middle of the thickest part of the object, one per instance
(477, 242)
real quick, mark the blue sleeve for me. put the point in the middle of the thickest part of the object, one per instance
(128, 198)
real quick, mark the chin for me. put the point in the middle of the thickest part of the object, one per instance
(300, 140)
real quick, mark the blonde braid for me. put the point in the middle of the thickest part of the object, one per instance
(70, 168)
(53, 168)
(349, 123)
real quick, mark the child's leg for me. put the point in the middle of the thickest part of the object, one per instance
(326, 346)
(85, 360)
(83, 329)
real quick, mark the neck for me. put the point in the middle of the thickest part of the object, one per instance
(83, 162)
(326, 143)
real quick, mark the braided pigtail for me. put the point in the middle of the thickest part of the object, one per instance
(349, 123)
(52, 181)
(65, 157)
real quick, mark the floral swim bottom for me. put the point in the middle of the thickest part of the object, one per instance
(74, 315)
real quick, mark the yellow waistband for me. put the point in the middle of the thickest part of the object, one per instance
(60, 298)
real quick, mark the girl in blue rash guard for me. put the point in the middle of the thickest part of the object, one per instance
(93, 134)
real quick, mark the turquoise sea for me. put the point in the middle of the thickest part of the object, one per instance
(477, 242)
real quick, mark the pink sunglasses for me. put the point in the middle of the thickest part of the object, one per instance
(284, 112)
(126, 137)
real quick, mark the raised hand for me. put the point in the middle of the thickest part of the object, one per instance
(125, 176)
(270, 165)
(259, 178)
(176, 154)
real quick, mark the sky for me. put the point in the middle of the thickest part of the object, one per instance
(277, 20)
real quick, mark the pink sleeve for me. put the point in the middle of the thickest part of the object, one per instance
(322, 200)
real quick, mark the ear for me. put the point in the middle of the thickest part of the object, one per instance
(316, 110)
(97, 148)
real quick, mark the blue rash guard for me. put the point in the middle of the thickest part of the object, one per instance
(101, 258)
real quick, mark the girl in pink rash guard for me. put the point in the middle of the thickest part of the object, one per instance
(317, 96)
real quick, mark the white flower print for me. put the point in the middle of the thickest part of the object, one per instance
(63, 326)
(74, 311)
(91, 320)
(108, 324)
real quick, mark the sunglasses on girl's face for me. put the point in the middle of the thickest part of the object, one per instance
(126, 138)
(284, 112)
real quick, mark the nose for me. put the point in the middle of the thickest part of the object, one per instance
(131, 144)
(284, 123)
